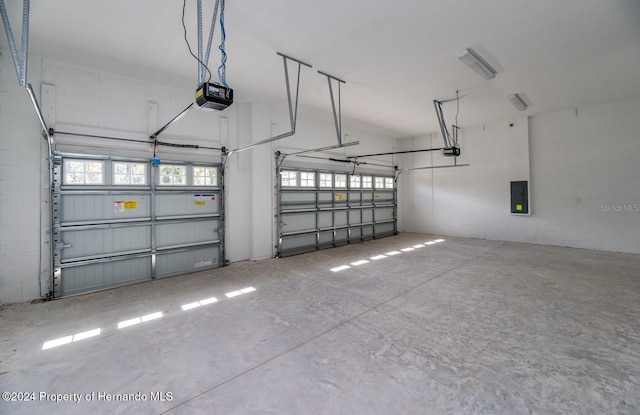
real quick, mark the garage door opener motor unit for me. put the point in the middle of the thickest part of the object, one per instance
(213, 96)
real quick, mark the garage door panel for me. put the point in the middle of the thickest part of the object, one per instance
(103, 242)
(302, 197)
(186, 204)
(98, 276)
(298, 222)
(384, 214)
(325, 220)
(384, 229)
(341, 218)
(326, 237)
(344, 208)
(179, 233)
(325, 196)
(383, 196)
(354, 197)
(187, 260)
(113, 224)
(298, 241)
(100, 208)
(354, 217)
(342, 235)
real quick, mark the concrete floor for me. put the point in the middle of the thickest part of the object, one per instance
(461, 326)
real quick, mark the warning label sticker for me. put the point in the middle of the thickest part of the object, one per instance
(119, 206)
(201, 200)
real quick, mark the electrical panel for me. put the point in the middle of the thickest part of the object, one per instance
(520, 197)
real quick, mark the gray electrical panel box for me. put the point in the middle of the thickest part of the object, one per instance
(520, 197)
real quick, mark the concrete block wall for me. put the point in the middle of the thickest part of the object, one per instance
(584, 181)
(20, 186)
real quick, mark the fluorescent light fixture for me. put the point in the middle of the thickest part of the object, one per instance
(392, 253)
(517, 102)
(190, 306)
(340, 268)
(361, 262)
(407, 249)
(439, 240)
(377, 257)
(476, 63)
(418, 246)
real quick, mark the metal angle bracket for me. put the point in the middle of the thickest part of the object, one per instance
(293, 108)
(337, 116)
(19, 61)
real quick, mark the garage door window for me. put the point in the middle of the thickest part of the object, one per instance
(341, 180)
(289, 178)
(326, 180)
(83, 172)
(366, 182)
(129, 174)
(173, 175)
(355, 182)
(308, 179)
(205, 176)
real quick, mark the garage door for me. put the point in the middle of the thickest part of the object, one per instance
(119, 221)
(320, 209)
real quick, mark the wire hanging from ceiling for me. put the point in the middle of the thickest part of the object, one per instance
(184, 27)
(222, 69)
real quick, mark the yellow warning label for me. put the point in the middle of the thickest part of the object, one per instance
(130, 204)
(518, 207)
(377, 196)
(339, 196)
(200, 203)
(199, 92)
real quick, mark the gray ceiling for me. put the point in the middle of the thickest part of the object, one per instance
(396, 56)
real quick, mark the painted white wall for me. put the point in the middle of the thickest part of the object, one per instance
(584, 181)
(20, 185)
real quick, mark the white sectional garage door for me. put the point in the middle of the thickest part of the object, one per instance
(320, 209)
(119, 221)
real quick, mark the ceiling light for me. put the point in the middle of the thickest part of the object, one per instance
(517, 102)
(476, 63)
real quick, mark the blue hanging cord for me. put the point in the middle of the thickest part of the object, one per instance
(223, 61)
